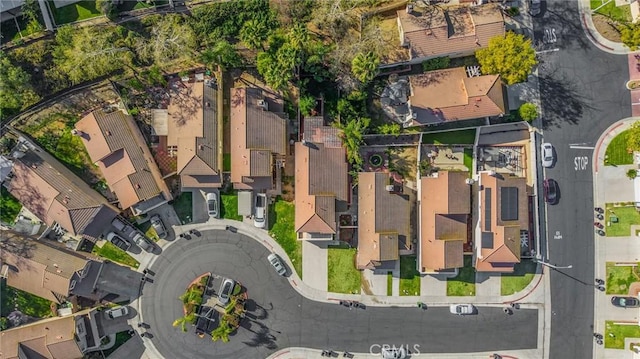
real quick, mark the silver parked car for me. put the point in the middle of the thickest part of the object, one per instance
(117, 312)
(158, 226)
(142, 242)
(213, 204)
(546, 152)
(276, 263)
(462, 309)
(226, 288)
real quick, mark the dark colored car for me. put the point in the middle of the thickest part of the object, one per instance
(550, 191)
(535, 7)
(625, 302)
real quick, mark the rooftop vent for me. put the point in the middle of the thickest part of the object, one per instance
(409, 8)
(263, 104)
(76, 132)
(138, 185)
(108, 133)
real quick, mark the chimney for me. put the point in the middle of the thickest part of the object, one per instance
(263, 103)
(108, 133)
(409, 9)
(138, 185)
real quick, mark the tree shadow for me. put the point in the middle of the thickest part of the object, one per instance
(561, 100)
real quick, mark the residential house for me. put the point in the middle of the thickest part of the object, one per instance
(56, 195)
(321, 181)
(454, 31)
(504, 220)
(116, 145)
(383, 222)
(56, 274)
(444, 208)
(452, 95)
(259, 140)
(189, 128)
(68, 337)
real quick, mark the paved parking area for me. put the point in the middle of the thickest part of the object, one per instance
(108, 326)
(314, 265)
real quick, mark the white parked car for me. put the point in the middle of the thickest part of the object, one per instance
(260, 214)
(547, 155)
(213, 205)
(117, 312)
(226, 289)
(462, 309)
(277, 264)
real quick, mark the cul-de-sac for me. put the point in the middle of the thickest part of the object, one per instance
(288, 179)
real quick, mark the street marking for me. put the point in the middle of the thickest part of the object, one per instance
(549, 36)
(577, 147)
(557, 235)
(545, 51)
(580, 162)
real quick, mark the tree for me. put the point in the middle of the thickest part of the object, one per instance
(351, 135)
(223, 54)
(30, 12)
(254, 33)
(632, 173)
(510, 56)
(171, 39)
(633, 139)
(528, 112)
(307, 104)
(183, 321)
(16, 92)
(365, 66)
(222, 332)
(106, 7)
(389, 129)
(630, 35)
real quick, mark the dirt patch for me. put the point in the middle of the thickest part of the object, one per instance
(404, 161)
(606, 27)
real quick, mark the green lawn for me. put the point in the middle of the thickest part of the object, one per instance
(627, 216)
(389, 283)
(282, 223)
(450, 137)
(229, 208)
(226, 162)
(343, 277)
(617, 153)
(619, 278)
(468, 160)
(9, 206)
(464, 284)
(28, 304)
(618, 13)
(81, 10)
(511, 283)
(183, 205)
(619, 333)
(111, 252)
(409, 276)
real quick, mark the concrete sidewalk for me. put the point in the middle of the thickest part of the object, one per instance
(584, 6)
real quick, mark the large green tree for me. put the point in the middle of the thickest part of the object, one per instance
(221, 53)
(352, 132)
(365, 66)
(254, 33)
(16, 92)
(630, 35)
(511, 56)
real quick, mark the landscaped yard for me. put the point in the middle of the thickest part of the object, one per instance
(28, 304)
(627, 216)
(111, 252)
(9, 206)
(617, 153)
(183, 205)
(511, 283)
(450, 137)
(619, 278)
(409, 276)
(81, 10)
(282, 223)
(343, 277)
(616, 341)
(618, 13)
(229, 208)
(464, 284)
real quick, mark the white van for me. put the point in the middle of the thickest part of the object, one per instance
(260, 214)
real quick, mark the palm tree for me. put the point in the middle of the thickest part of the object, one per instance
(222, 332)
(365, 66)
(351, 136)
(253, 34)
(183, 321)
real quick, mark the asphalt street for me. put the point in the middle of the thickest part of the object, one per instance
(279, 317)
(582, 92)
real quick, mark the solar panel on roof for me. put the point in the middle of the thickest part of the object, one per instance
(487, 209)
(509, 203)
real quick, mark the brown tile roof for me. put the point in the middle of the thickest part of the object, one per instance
(315, 131)
(449, 95)
(49, 338)
(114, 142)
(192, 129)
(321, 179)
(38, 268)
(504, 212)
(257, 134)
(56, 195)
(445, 203)
(383, 220)
(457, 31)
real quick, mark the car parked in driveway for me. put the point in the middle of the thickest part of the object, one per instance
(625, 302)
(462, 309)
(546, 153)
(158, 226)
(260, 214)
(142, 242)
(118, 241)
(226, 288)
(213, 204)
(276, 263)
(117, 312)
(535, 7)
(551, 190)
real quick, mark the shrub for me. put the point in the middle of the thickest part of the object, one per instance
(528, 112)
(632, 173)
(513, 11)
(307, 104)
(436, 64)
